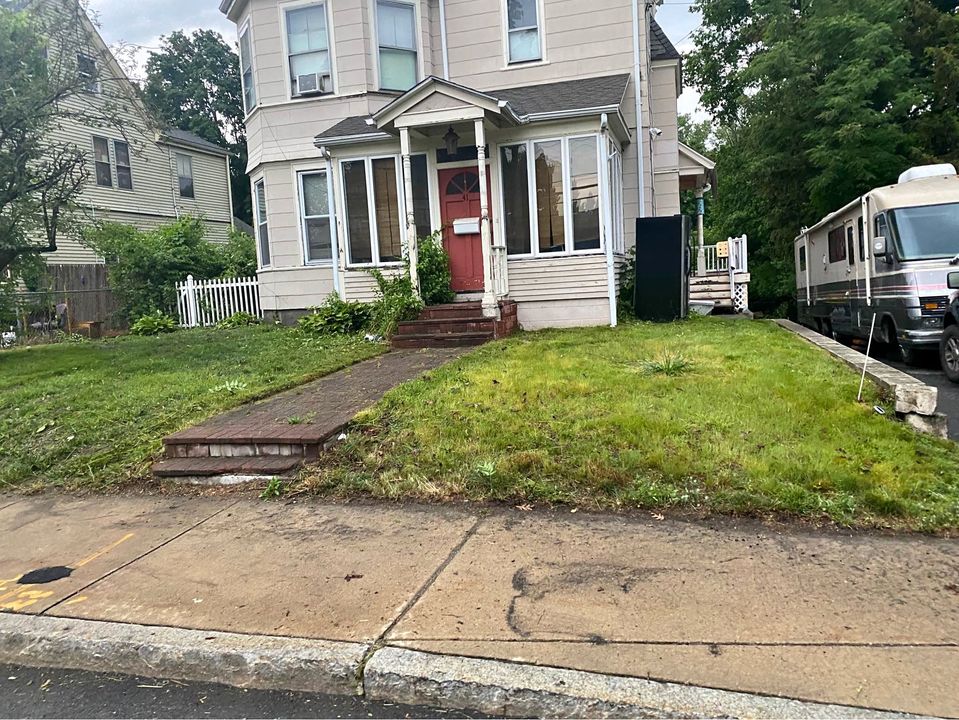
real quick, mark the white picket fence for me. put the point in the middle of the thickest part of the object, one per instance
(202, 303)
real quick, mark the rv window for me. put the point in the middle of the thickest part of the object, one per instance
(837, 245)
(802, 258)
(929, 231)
(862, 240)
(850, 247)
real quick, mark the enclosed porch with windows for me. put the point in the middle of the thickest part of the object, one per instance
(524, 188)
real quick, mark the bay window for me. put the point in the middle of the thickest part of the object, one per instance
(396, 33)
(315, 217)
(551, 196)
(374, 213)
(308, 47)
(522, 31)
(262, 229)
(246, 71)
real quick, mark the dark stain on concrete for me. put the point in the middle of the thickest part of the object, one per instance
(45, 575)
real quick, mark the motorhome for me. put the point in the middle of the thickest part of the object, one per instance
(888, 255)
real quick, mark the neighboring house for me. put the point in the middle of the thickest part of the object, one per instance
(139, 173)
(508, 125)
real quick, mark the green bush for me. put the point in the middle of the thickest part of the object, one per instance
(240, 319)
(627, 286)
(238, 255)
(396, 302)
(144, 267)
(433, 267)
(154, 323)
(336, 316)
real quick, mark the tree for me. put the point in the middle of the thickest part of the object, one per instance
(815, 104)
(193, 83)
(51, 71)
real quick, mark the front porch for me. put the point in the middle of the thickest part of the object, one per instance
(525, 195)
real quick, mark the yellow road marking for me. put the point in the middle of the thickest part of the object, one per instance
(105, 550)
(76, 600)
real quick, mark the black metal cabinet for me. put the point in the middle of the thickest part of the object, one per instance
(662, 268)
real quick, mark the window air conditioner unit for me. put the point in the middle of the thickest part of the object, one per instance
(313, 83)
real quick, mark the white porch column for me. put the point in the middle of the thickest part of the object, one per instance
(490, 306)
(411, 246)
(701, 254)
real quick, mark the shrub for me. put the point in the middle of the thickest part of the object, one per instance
(627, 286)
(396, 302)
(240, 319)
(336, 316)
(238, 256)
(433, 267)
(154, 323)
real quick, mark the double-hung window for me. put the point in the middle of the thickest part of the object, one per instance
(101, 162)
(262, 230)
(246, 71)
(396, 32)
(315, 217)
(551, 196)
(308, 44)
(184, 173)
(374, 213)
(522, 31)
(121, 155)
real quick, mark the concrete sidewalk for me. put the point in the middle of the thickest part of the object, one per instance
(863, 620)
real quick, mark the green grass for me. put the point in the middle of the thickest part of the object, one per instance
(93, 414)
(708, 415)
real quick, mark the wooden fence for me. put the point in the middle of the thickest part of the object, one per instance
(202, 303)
(71, 295)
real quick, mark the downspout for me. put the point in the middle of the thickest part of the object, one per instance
(640, 164)
(607, 220)
(229, 192)
(446, 56)
(334, 241)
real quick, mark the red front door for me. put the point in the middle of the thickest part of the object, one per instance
(459, 199)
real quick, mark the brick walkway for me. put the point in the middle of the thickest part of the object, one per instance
(294, 424)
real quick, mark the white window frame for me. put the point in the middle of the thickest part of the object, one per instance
(116, 163)
(261, 182)
(247, 29)
(283, 9)
(179, 186)
(540, 22)
(416, 34)
(109, 163)
(301, 212)
(371, 210)
(94, 85)
(567, 198)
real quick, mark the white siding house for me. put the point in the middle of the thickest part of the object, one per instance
(519, 129)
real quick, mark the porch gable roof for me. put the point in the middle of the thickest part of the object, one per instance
(514, 106)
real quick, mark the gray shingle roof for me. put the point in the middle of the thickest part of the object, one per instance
(660, 47)
(564, 96)
(185, 137)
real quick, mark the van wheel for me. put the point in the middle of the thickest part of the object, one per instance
(949, 352)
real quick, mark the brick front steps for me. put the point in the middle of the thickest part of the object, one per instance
(455, 324)
(276, 435)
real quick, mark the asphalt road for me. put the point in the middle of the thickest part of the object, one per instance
(32, 693)
(928, 371)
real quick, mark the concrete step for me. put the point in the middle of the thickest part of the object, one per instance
(211, 466)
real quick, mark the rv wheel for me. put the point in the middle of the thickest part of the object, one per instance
(896, 350)
(949, 352)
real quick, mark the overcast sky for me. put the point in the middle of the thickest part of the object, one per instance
(142, 22)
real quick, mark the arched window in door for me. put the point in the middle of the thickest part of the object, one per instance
(463, 183)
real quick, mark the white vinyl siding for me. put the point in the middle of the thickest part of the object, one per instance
(523, 31)
(315, 217)
(396, 32)
(247, 78)
(262, 228)
(308, 50)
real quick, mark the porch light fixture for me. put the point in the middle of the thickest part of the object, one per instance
(452, 141)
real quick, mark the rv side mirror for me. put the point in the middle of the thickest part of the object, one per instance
(952, 280)
(879, 247)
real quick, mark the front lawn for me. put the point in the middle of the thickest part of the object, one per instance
(93, 414)
(759, 422)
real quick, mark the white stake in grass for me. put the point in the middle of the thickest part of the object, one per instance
(862, 381)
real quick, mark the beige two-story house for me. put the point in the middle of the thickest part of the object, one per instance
(138, 172)
(529, 133)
